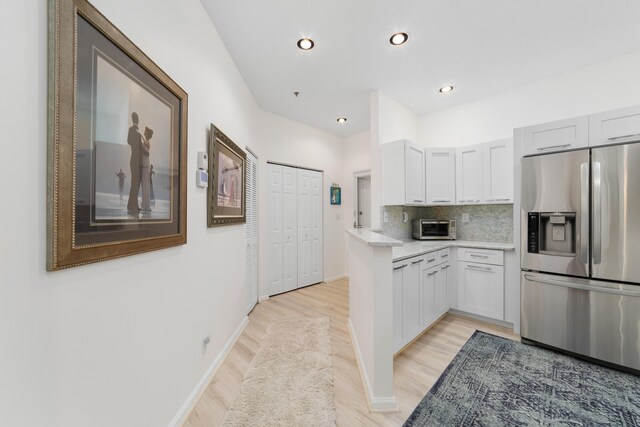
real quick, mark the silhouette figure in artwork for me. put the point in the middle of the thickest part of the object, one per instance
(145, 173)
(134, 139)
(232, 191)
(121, 176)
(152, 195)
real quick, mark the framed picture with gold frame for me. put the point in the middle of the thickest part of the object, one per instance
(227, 181)
(117, 144)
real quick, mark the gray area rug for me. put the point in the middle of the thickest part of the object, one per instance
(494, 381)
(290, 380)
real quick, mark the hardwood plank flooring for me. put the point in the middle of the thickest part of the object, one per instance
(416, 369)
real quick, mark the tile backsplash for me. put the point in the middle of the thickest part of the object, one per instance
(487, 223)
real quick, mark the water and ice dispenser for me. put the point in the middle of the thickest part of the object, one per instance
(552, 233)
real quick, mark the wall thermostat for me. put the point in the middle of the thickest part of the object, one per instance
(202, 178)
(203, 160)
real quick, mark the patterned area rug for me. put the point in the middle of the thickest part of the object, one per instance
(290, 380)
(498, 382)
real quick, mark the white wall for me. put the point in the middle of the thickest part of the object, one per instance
(598, 87)
(389, 121)
(120, 342)
(285, 141)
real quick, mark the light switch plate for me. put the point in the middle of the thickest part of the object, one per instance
(465, 217)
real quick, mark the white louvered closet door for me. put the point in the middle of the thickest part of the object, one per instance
(251, 231)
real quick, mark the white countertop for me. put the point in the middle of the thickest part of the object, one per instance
(411, 248)
(372, 238)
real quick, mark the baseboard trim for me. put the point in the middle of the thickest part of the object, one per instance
(184, 412)
(334, 278)
(375, 404)
(477, 317)
(263, 298)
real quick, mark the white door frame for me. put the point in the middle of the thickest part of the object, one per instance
(357, 175)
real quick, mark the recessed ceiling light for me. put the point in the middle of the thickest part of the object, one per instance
(306, 44)
(446, 89)
(398, 39)
(342, 119)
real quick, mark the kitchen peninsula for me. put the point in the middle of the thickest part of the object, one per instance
(398, 289)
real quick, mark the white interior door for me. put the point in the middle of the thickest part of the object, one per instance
(290, 228)
(251, 231)
(304, 227)
(364, 202)
(315, 227)
(275, 274)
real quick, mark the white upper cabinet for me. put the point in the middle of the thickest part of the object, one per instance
(498, 171)
(613, 127)
(440, 171)
(402, 171)
(560, 135)
(469, 174)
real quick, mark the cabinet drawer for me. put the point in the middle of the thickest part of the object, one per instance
(560, 135)
(614, 127)
(484, 256)
(431, 259)
(443, 255)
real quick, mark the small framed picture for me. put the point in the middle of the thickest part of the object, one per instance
(227, 181)
(117, 146)
(335, 195)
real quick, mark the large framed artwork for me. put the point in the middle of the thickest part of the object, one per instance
(227, 182)
(117, 144)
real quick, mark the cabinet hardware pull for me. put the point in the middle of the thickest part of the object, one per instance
(431, 259)
(400, 266)
(441, 200)
(445, 267)
(444, 255)
(502, 200)
(479, 256)
(417, 262)
(615, 138)
(432, 273)
(418, 201)
(475, 267)
(553, 146)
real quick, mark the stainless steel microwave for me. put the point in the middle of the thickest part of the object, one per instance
(433, 229)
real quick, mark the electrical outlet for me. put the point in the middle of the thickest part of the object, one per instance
(465, 217)
(386, 217)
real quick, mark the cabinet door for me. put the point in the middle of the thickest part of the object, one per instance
(555, 136)
(481, 289)
(498, 171)
(440, 172)
(414, 174)
(469, 177)
(427, 296)
(398, 279)
(411, 299)
(614, 127)
(441, 299)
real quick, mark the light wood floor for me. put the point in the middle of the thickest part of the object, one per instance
(415, 370)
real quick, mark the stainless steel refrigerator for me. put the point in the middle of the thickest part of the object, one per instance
(580, 278)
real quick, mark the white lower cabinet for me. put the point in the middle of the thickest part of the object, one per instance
(419, 296)
(481, 286)
(411, 285)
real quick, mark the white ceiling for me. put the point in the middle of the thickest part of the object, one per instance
(479, 46)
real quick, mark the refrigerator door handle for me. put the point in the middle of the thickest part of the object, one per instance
(584, 213)
(597, 213)
(581, 287)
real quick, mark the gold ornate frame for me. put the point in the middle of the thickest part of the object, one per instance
(214, 218)
(62, 250)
